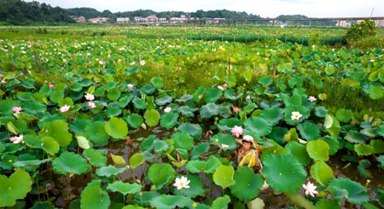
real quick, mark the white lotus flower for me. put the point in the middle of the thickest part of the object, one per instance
(64, 108)
(16, 139)
(181, 183)
(142, 62)
(312, 99)
(310, 189)
(91, 105)
(220, 87)
(89, 97)
(130, 86)
(296, 116)
(167, 109)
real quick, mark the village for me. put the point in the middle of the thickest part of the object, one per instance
(183, 19)
(152, 19)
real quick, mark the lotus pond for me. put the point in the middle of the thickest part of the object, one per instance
(124, 122)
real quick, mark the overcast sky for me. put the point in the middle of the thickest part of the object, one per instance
(265, 8)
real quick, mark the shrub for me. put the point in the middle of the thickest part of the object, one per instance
(359, 31)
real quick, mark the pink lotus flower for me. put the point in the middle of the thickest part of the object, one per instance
(310, 189)
(51, 86)
(225, 85)
(89, 97)
(64, 108)
(91, 105)
(167, 109)
(16, 139)
(130, 86)
(17, 109)
(312, 99)
(237, 131)
(1, 75)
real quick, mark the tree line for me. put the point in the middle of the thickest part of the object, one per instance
(18, 12)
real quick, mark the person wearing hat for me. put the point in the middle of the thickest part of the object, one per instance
(248, 153)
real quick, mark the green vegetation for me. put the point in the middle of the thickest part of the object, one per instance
(116, 117)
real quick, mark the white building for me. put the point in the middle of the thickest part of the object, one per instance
(98, 20)
(122, 20)
(181, 19)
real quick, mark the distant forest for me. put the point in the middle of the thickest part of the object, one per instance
(18, 12)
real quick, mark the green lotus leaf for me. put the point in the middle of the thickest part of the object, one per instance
(56, 96)
(321, 111)
(208, 166)
(221, 202)
(132, 207)
(118, 160)
(16, 187)
(224, 139)
(148, 89)
(186, 111)
(29, 163)
(116, 128)
(152, 117)
(160, 146)
(97, 134)
(318, 150)
(169, 120)
(83, 142)
(258, 126)
(164, 100)
(299, 151)
(170, 202)
(284, 173)
(157, 82)
(333, 143)
(58, 130)
(114, 94)
(375, 91)
(247, 185)
(354, 192)
(378, 146)
(308, 130)
(139, 103)
(148, 143)
(185, 98)
(94, 197)
(209, 110)
(199, 149)
(278, 134)
(183, 140)
(34, 141)
(195, 187)
(113, 111)
(212, 95)
(135, 120)
(228, 124)
(223, 176)
(327, 204)
(192, 129)
(272, 115)
(256, 204)
(355, 137)
(69, 162)
(50, 145)
(231, 94)
(161, 174)
(332, 125)
(95, 157)
(109, 171)
(78, 126)
(380, 130)
(124, 188)
(249, 108)
(363, 149)
(344, 115)
(321, 172)
(136, 160)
